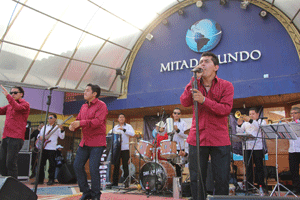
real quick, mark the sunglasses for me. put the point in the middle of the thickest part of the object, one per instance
(50, 117)
(14, 93)
(178, 113)
(294, 113)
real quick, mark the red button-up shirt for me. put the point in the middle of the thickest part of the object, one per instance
(93, 123)
(213, 114)
(17, 113)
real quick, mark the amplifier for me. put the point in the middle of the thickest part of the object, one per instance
(24, 163)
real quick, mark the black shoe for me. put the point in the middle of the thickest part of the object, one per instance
(50, 182)
(86, 196)
(40, 183)
(32, 176)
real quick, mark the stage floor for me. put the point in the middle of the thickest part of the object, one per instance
(71, 192)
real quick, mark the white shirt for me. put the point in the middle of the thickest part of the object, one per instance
(252, 129)
(294, 145)
(52, 144)
(125, 135)
(179, 137)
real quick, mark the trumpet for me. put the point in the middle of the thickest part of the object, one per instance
(282, 119)
(238, 114)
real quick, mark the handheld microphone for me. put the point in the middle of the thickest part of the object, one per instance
(263, 118)
(199, 70)
(53, 88)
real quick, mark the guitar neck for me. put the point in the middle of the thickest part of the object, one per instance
(53, 131)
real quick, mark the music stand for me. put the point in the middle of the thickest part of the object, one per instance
(244, 137)
(279, 131)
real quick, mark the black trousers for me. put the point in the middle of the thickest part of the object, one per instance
(257, 158)
(47, 155)
(294, 161)
(220, 161)
(124, 155)
(9, 152)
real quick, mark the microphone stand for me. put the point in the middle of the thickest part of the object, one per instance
(43, 141)
(199, 175)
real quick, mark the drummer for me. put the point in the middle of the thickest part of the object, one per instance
(250, 125)
(126, 131)
(161, 135)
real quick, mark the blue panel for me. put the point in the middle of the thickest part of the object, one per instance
(242, 30)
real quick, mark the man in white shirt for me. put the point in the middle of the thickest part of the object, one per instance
(50, 148)
(294, 154)
(250, 125)
(179, 128)
(126, 131)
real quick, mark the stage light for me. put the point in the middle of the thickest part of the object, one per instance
(149, 36)
(223, 2)
(180, 12)
(244, 4)
(263, 13)
(199, 3)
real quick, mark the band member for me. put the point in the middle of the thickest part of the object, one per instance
(17, 112)
(50, 148)
(179, 128)
(160, 136)
(92, 120)
(215, 100)
(126, 130)
(156, 130)
(294, 154)
(250, 125)
(35, 151)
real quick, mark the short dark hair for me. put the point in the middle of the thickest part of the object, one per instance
(214, 57)
(21, 90)
(41, 122)
(54, 115)
(254, 108)
(95, 88)
(177, 109)
(121, 114)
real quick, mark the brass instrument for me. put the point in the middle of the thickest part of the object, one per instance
(283, 119)
(238, 114)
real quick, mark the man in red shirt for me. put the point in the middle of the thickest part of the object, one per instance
(17, 112)
(92, 120)
(215, 100)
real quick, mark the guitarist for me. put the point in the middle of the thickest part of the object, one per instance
(50, 148)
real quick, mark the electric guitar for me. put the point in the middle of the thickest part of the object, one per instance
(39, 142)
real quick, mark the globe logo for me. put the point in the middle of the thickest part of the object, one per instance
(204, 35)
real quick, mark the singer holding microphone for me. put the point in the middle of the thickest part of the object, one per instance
(250, 125)
(215, 99)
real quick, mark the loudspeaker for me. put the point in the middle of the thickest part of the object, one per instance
(66, 174)
(186, 189)
(12, 189)
(221, 197)
(24, 161)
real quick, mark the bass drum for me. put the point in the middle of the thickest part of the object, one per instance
(164, 175)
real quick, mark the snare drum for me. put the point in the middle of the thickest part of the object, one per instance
(145, 149)
(168, 149)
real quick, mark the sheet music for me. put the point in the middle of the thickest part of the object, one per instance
(295, 127)
(282, 130)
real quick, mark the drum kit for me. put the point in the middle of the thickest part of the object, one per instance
(158, 174)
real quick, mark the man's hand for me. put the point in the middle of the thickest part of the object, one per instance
(181, 153)
(198, 96)
(246, 118)
(71, 128)
(4, 91)
(240, 121)
(75, 124)
(175, 127)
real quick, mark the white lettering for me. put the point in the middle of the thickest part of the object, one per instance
(177, 64)
(252, 56)
(184, 64)
(164, 68)
(225, 60)
(191, 63)
(242, 59)
(231, 56)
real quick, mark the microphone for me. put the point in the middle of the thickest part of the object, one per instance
(263, 118)
(53, 88)
(199, 70)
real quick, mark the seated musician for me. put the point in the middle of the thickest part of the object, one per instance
(161, 135)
